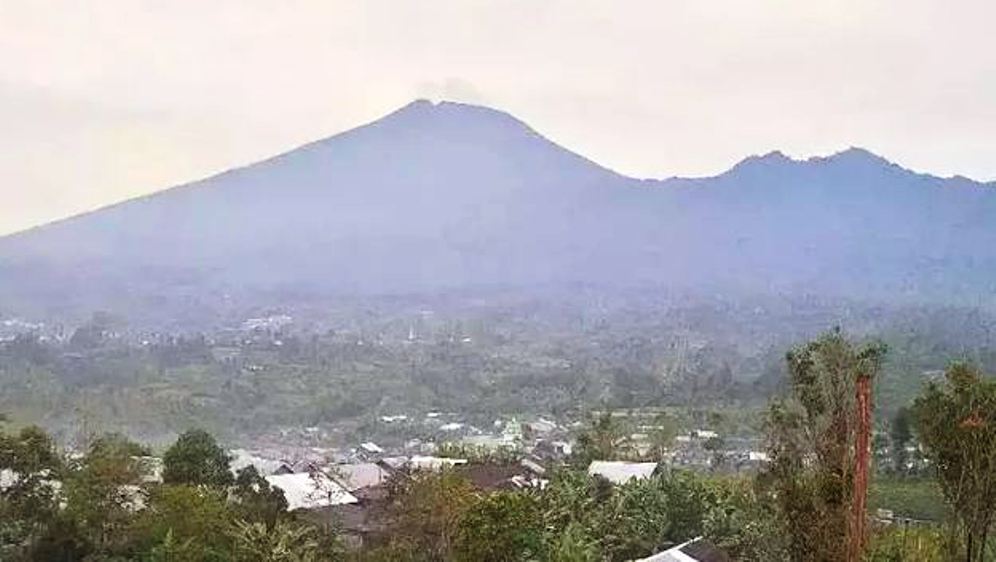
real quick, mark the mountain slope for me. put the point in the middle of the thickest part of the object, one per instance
(445, 196)
(852, 222)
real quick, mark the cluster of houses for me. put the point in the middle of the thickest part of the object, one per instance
(353, 494)
(349, 485)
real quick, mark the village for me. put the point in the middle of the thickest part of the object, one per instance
(347, 485)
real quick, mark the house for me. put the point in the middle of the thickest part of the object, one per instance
(433, 463)
(489, 442)
(540, 427)
(305, 466)
(494, 476)
(242, 458)
(310, 491)
(696, 550)
(392, 464)
(550, 450)
(621, 472)
(371, 447)
(358, 476)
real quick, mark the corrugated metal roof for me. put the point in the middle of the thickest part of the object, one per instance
(434, 463)
(310, 491)
(358, 476)
(695, 550)
(620, 472)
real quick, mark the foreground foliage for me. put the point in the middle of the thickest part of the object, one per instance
(813, 434)
(102, 505)
(956, 422)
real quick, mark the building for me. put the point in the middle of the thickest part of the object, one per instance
(433, 463)
(621, 472)
(310, 491)
(696, 550)
(242, 458)
(359, 476)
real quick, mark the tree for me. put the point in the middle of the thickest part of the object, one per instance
(103, 492)
(286, 541)
(898, 544)
(663, 434)
(956, 424)
(573, 545)
(425, 510)
(501, 527)
(900, 435)
(196, 459)
(644, 516)
(814, 440)
(604, 439)
(185, 523)
(624, 522)
(256, 500)
(743, 522)
(29, 503)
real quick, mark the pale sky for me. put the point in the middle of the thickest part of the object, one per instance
(102, 100)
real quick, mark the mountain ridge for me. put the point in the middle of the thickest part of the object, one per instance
(422, 106)
(443, 196)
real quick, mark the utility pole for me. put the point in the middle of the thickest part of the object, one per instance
(862, 450)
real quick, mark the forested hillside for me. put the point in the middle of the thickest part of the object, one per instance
(477, 357)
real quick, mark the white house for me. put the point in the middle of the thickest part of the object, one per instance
(310, 491)
(620, 472)
(358, 476)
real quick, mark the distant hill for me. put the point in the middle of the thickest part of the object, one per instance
(436, 197)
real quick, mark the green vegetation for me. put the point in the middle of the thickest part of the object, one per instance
(604, 437)
(576, 517)
(913, 498)
(347, 364)
(101, 505)
(956, 423)
(196, 460)
(814, 436)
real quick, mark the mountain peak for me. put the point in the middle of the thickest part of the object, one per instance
(852, 159)
(442, 195)
(857, 156)
(768, 161)
(424, 109)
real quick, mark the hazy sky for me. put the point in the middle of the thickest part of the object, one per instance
(102, 100)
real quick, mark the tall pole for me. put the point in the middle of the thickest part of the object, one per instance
(862, 450)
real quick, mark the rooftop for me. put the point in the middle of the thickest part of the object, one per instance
(310, 491)
(620, 472)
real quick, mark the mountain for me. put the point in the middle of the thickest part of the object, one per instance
(445, 196)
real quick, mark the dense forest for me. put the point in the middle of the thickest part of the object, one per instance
(344, 366)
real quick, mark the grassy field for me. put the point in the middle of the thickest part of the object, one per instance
(918, 498)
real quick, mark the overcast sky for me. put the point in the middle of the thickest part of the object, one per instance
(106, 99)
